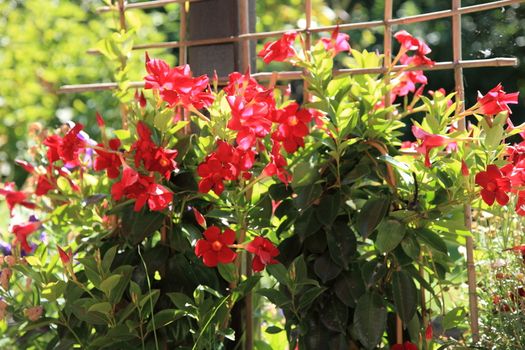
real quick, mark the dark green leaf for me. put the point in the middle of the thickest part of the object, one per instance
(342, 243)
(432, 239)
(279, 272)
(370, 320)
(273, 330)
(275, 297)
(228, 272)
(325, 268)
(371, 215)
(389, 234)
(328, 208)
(405, 295)
(307, 298)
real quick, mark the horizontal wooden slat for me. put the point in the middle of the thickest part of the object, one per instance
(296, 75)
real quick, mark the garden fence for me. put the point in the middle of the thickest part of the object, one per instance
(457, 64)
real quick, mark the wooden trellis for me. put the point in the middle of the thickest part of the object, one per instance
(457, 64)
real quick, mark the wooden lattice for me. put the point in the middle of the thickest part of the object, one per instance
(457, 64)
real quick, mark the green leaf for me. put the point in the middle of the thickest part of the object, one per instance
(411, 247)
(164, 318)
(275, 297)
(371, 215)
(432, 239)
(273, 330)
(328, 208)
(279, 272)
(108, 285)
(389, 234)
(341, 243)
(108, 258)
(307, 224)
(325, 268)
(405, 295)
(180, 300)
(454, 317)
(228, 272)
(104, 308)
(370, 320)
(307, 298)
(306, 195)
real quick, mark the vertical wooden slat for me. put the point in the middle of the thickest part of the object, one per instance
(183, 50)
(244, 28)
(123, 27)
(458, 78)
(387, 44)
(308, 41)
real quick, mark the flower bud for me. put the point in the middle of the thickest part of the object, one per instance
(34, 313)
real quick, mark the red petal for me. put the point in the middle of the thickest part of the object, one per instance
(257, 265)
(228, 237)
(502, 198)
(210, 259)
(202, 247)
(212, 233)
(488, 196)
(226, 255)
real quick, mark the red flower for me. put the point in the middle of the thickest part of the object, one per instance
(279, 50)
(250, 119)
(496, 101)
(265, 252)
(429, 142)
(65, 257)
(227, 163)
(293, 126)
(176, 85)
(464, 168)
(429, 332)
(495, 185)
(108, 160)
(44, 184)
(143, 189)
(405, 346)
(338, 42)
(140, 99)
(214, 247)
(199, 218)
(14, 197)
(154, 158)
(519, 249)
(22, 231)
(420, 48)
(65, 148)
(277, 165)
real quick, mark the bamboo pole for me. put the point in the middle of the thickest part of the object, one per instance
(387, 46)
(183, 53)
(308, 42)
(348, 26)
(471, 269)
(297, 75)
(143, 5)
(244, 27)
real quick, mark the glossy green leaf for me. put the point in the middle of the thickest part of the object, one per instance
(370, 320)
(405, 295)
(371, 215)
(389, 234)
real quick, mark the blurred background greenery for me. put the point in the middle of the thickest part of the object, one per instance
(43, 45)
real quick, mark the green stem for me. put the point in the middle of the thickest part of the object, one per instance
(150, 299)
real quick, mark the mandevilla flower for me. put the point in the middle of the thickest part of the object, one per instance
(293, 126)
(66, 148)
(279, 50)
(153, 157)
(177, 86)
(338, 42)
(277, 165)
(143, 189)
(428, 142)
(107, 160)
(65, 256)
(14, 197)
(420, 48)
(22, 231)
(227, 163)
(214, 247)
(199, 218)
(405, 346)
(265, 252)
(496, 101)
(495, 185)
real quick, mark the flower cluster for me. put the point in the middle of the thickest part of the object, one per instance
(177, 86)
(254, 117)
(216, 248)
